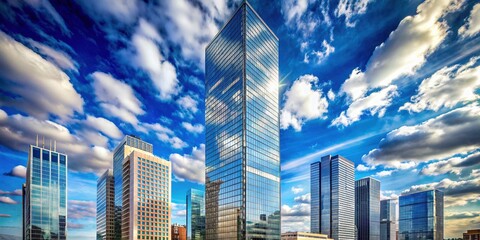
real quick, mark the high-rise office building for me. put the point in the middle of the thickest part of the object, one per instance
(105, 206)
(334, 199)
(388, 219)
(421, 216)
(304, 236)
(195, 214)
(146, 197)
(367, 208)
(126, 146)
(242, 130)
(45, 195)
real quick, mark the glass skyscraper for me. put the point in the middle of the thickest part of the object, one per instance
(367, 208)
(195, 214)
(242, 130)
(334, 199)
(45, 199)
(124, 148)
(421, 216)
(388, 218)
(105, 207)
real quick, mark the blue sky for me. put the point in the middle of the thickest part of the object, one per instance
(391, 85)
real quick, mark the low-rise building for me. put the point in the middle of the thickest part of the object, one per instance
(304, 236)
(472, 235)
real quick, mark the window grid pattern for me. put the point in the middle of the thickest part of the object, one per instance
(105, 207)
(367, 209)
(195, 215)
(388, 226)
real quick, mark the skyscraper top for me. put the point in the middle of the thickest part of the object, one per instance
(240, 7)
(136, 142)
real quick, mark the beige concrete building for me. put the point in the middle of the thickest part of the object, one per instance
(146, 198)
(304, 236)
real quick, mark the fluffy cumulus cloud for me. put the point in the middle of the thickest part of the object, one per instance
(149, 57)
(472, 25)
(81, 209)
(447, 87)
(364, 168)
(19, 131)
(297, 190)
(104, 126)
(195, 129)
(172, 140)
(305, 198)
(453, 165)
(384, 173)
(402, 54)
(7, 200)
(436, 138)
(34, 85)
(116, 97)
(18, 171)
(374, 104)
(188, 106)
(296, 218)
(457, 193)
(190, 167)
(192, 25)
(351, 9)
(303, 102)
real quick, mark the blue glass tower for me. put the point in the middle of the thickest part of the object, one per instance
(421, 216)
(388, 218)
(195, 214)
(45, 200)
(105, 206)
(242, 130)
(334, 199)
(367, 208)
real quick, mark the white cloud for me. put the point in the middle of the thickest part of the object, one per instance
(297, 190)
(58, 57)
(188, 106)
(305, 198)
(374, 104)
(174, 141)
(19, 131)
(16, 192)
(363, 168)
(18, 171)
(452, 165)
(436, 138)
(192, 26)
(402, 54)
(104, 126)
(303, 102)
(116, 97)
(472, 25)
(149, 58)
(39, 88)
(155, 127)
(124, 11)
(7, 200)
(296, 218)
(331, 95)
(388, 195)
(195, 129)
(446, 88)
(190, 166)
(457, 193)
(351, 9)
(384, 173)
(319, 55)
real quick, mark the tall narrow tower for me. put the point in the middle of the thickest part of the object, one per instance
(105, 207)
(367, 208)
(242, 130)
(45, 195)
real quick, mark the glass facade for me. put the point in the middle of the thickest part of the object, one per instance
(315, 169)
(195, 215)
(367, 208)
(105, 207)
(45, 200)
(335, 197)
(242, 130)
(421, 216)
(388, 218)
(126, 146)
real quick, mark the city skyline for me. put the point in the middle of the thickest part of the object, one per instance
(393, 87)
